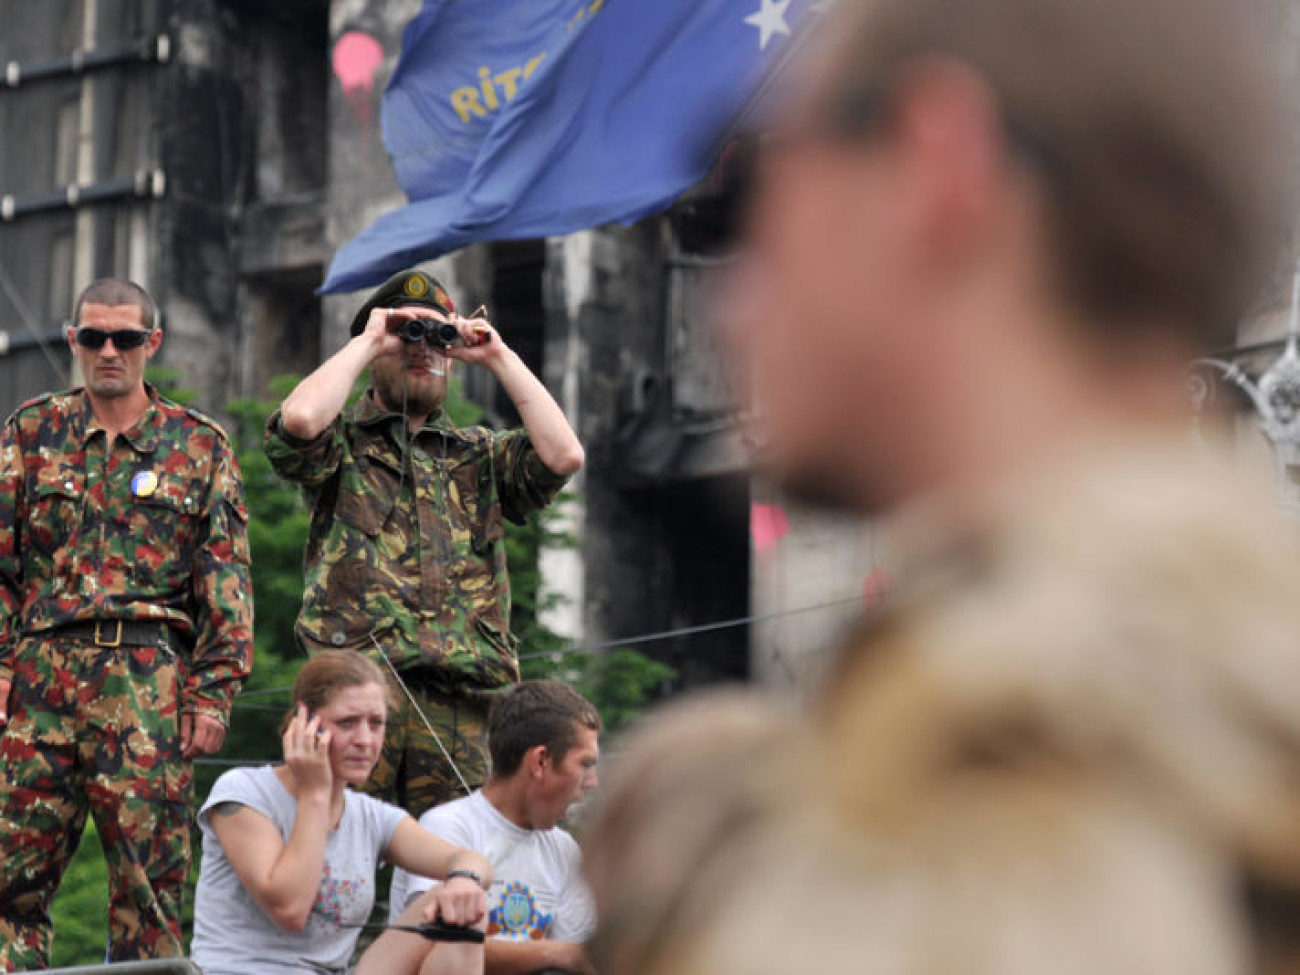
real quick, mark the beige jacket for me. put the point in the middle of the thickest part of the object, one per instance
(1070, 745)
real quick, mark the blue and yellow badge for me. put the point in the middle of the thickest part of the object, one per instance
(144, 484)
(416, 286)
(517, 914)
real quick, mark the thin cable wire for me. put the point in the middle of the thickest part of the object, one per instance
(231, 762)
(262, 692)
(608, 645)
(414, 704)
(29, 322)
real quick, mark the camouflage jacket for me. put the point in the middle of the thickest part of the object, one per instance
(155, 529)
(413, 552)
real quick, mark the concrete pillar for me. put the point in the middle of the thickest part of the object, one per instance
(813, 576)
(562, 569)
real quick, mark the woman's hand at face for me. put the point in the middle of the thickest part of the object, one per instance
(307, 752)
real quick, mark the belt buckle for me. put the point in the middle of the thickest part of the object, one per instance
(117, 638)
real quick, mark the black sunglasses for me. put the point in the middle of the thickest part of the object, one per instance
(124, 339)
(859, 112)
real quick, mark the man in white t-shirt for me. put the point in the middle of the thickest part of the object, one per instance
(542, 737)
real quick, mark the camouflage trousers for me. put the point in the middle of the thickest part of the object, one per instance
(93, 730)
(412, 770)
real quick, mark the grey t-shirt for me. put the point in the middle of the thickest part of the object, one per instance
(232, 936)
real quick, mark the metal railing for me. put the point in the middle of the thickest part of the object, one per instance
(161, 966)
(145, 184)
(146, 50)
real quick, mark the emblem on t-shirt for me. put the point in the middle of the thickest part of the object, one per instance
(337, 898)
(517, 916)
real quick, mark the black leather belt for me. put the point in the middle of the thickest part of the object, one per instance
(117, 633)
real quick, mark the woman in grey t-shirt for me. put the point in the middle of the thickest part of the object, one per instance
(289, 852)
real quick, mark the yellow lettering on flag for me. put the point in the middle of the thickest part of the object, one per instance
(495, 90)
(465, 102)
(532, 64)
(590, 10)
(508, 82)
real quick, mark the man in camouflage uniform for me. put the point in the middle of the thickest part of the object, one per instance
(125, 631)
(406, 553)
(988, 237)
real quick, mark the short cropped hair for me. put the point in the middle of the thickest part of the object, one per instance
(115, 292)
(1160, 131)
(532, 713)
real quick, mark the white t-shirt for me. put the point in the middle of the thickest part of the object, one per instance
(538, 891)
(232, 936)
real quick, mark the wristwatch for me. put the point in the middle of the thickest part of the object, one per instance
(467, 873)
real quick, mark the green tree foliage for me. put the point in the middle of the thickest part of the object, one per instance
(618, 682)
(81, 909)
(277, 530)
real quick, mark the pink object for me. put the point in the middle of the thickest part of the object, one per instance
(768, 524)
(876, 587)
(357, 58)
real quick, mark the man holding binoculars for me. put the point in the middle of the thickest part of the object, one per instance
(406, 554)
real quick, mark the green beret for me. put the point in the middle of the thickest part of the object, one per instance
(403, 290)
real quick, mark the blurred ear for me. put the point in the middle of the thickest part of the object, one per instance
(153, 342)
(69, 332)
(948, 127)
(536, 759)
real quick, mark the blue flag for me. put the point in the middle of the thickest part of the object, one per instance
(510, 119)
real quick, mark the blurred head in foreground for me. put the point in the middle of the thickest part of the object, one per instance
(984, 228)
(986, 240)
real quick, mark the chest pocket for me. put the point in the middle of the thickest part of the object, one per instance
(160, 531)
(55, 499)
(474, 501)
(368, 491)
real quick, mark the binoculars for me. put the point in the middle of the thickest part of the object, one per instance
(442, 334)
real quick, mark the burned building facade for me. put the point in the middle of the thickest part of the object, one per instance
(181, 144)
(219, 151)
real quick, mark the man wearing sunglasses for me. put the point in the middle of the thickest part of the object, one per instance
(125, 631)
(406, 555)
(986, 243)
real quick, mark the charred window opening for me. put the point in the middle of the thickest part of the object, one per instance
(516, 306)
